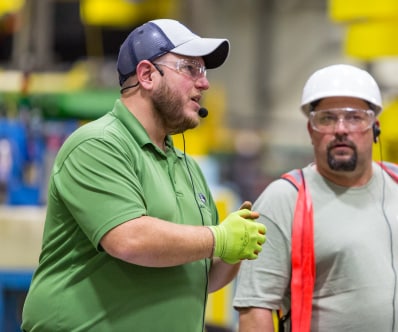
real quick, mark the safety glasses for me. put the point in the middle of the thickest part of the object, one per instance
(354, 120)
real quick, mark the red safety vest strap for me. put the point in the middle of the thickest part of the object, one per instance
(390, 168)
(302, 255)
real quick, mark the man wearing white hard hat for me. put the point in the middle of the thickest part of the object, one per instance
(132, 239)
(330, 261)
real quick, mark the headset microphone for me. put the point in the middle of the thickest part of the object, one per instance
(203, 112)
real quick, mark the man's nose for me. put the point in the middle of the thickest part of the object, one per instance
(341, 125)
(202, 83)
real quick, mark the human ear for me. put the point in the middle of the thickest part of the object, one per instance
(144, 74)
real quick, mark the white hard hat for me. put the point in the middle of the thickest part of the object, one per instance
(341, 81)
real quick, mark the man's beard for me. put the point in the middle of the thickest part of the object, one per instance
(169, 107)
(342, 165)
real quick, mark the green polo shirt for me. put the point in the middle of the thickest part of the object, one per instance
(106, 173)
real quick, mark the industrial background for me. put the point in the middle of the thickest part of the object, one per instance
(58, 71)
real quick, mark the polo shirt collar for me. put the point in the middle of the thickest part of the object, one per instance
(137, 130)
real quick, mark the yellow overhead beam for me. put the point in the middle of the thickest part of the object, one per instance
(105, 12)
(371, 26)
(350, 10)
(373, 39)
(10, 6)
(124, 13)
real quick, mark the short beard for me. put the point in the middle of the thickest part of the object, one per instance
(169, 107)
(348, 165)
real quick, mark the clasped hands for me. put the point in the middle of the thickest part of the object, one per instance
(239, 236)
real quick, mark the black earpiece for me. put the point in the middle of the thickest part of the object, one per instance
(376, 131)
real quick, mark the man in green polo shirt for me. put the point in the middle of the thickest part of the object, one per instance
(132, 240)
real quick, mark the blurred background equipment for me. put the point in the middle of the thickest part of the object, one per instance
(58, 70)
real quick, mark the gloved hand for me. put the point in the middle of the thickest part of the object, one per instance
(238, 237)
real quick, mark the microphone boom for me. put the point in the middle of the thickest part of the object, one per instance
(203, 112)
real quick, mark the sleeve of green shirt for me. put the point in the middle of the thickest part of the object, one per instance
(99, 188)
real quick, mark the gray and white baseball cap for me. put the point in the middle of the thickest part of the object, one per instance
(158, 37)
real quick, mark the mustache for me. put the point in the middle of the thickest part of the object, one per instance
(338, 141)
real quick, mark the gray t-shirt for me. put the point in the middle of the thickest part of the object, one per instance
(356, 249)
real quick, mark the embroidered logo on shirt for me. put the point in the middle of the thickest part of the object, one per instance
(202, 198)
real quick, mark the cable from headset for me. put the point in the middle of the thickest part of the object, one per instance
(191, 179)
(136, 84)
(129, 87)
(203, 223)
(391, 237)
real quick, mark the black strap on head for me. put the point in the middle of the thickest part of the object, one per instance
(129, 87)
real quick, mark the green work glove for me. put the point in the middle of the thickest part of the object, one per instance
(238, 237)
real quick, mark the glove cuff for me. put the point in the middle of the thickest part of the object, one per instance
(217, 247)
(214, 241)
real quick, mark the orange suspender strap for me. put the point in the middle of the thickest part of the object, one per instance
(390, 168)
(302, 255)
